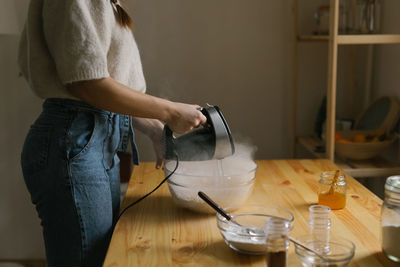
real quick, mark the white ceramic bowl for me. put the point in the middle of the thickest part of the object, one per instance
(228, 182)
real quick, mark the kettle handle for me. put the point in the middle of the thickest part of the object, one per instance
(205, 113)
(168, 132)
(168, 150)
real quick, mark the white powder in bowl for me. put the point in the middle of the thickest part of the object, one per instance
(250, 240)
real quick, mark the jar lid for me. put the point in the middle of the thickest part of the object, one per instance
(276, 225)
(327, 178)
(393, 183)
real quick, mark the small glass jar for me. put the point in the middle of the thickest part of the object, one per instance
(319, 223)
(322, 20)
(277, 243)
(391, 219)
(332, 193)
(367, 16)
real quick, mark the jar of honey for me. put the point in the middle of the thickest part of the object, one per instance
(332, 190)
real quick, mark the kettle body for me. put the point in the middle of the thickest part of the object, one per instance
(211, 141)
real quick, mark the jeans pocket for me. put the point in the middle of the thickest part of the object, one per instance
(80, 134)
(35, 152)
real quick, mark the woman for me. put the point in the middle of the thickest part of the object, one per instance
(81, 57)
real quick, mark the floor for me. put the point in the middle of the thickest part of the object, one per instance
(375, 184)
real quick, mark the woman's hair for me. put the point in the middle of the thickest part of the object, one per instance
(123, 17)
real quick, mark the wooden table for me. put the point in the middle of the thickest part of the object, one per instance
(158, 233)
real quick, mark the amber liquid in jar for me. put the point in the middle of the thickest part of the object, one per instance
(332, 190)
(335, 201)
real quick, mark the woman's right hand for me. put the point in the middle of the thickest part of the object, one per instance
(184, 117)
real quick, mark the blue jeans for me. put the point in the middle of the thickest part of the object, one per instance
(71, 169)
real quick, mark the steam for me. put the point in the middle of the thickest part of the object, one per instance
(244, 149)
(236, 165)
(227, 181)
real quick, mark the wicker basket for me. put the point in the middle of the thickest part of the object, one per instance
(361, 151)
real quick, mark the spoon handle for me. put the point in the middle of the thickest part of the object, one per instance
(307, 248)
(214, 205)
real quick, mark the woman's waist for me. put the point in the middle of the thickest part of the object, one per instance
(66, 105)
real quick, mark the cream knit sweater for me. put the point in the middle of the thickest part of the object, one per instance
(75, 40)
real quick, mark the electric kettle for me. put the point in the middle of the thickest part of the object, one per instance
(211, 141)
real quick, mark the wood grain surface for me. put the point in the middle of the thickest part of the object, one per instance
(156, 232)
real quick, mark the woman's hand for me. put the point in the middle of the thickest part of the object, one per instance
(184, 117)
(153, 129)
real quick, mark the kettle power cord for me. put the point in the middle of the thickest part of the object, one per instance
(148, 194)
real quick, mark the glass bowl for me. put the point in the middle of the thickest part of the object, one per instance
(338, 252)
(250, 237)
(228, 182)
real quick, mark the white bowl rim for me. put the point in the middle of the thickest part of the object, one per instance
(336, 240)
(223, 220)
(192, 185)
(194, 175)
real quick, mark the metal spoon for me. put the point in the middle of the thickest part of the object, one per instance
(250, 230)
(227, 216)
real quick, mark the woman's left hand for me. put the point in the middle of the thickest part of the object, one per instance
(153, 129)
(156, 138)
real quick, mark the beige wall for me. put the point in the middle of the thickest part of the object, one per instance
(387, 58)
(231, 53)
(18, 221)
(19, 226)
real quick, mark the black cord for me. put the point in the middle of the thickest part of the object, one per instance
(143, 197)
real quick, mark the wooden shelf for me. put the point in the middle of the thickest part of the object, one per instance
(377, 167)
(310, 143)
(354, 39)
(313, 38)
(368, 39)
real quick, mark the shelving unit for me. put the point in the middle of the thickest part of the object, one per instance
(375, 167)
(354, 39)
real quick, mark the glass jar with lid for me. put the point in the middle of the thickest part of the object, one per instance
(391, 219)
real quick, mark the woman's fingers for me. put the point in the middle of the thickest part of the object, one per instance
(159, 163)
(203, 119)
(186, 117)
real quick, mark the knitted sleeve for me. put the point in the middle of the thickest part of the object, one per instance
(78, 36)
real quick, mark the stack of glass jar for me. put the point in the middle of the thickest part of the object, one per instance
(355, 16)
(366, 16)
